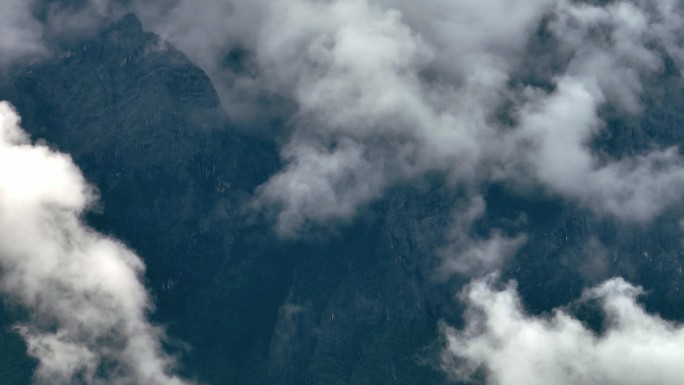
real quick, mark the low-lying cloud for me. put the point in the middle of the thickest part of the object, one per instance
(513, 347)
(385, 92)
(379, 92)
(87, 308)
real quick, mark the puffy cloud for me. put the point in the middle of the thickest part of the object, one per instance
(517, 348)
(556, 131)
(87, 306)
(352, 74)
(321, 184)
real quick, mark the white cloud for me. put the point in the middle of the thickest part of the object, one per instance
(320, 184)
(87, 306)
(556, 130)
(515, 348)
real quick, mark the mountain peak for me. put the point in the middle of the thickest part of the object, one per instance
(129, 22)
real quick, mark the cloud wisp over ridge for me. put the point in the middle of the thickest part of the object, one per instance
(87, 307)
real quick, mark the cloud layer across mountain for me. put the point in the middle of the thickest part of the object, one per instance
(384, 92)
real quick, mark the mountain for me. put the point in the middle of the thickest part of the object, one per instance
(146, 127)
(360, 305)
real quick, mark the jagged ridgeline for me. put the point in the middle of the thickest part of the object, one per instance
(361, 306)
